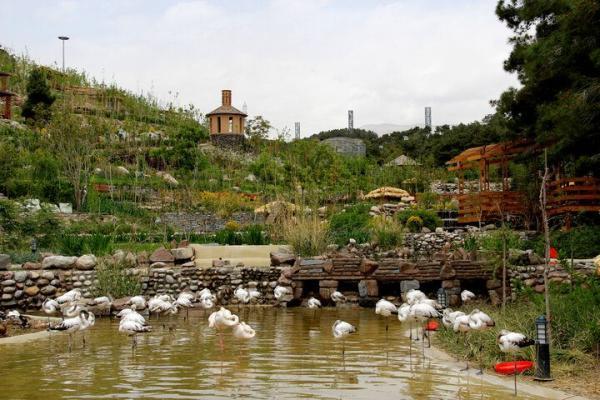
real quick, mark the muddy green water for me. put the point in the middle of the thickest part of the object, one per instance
(293, 356)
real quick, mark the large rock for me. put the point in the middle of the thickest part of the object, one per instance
(60, 262)
(278, 258)
(86, 262)
(4, 262)
(20, 276)
(168, 178)
(48, 290)
(121, 303)
(161, 255)
(31, 266)
(182, 253)
(121, 170)
(65, 208)
(32, 291)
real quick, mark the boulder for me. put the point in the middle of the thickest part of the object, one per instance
(121, 170)
(493, 284)
(539, 288)
(4, 262)
(31, 266)
(168, 178)
(278, 258)
(159, 264)
(86, 262)
(182, 253)
(48, 290)
(121, 303)
(161, 255)
(20, 276)
(65, 208)
(49, 275)
(250, 178)
(8, 282)
(189, 264)
(60, 262)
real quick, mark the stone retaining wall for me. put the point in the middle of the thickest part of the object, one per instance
(532, 275)
(206, 222)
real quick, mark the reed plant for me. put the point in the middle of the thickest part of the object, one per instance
(116, 280)
(306, 233)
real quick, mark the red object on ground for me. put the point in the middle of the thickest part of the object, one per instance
(432, 326)
(508, 367)
(553, 253)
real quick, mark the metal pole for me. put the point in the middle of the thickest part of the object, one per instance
(63, 54)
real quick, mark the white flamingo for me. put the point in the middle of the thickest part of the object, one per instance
(479, 321)
(157, 305)
(50, 307)
(449, 316)
(313, 303)
(69, 297)
(207, 299)
(71, 310)
(132, 328)
(71, 325)
(242, 295)
(512, 342)
(421, 313)
(137, 302)
(243, 331)
(130, 314)
(185, 300)
(340, 330)
(413, 296)
(338, 297)
(466, 296)
(222, 319)
(254, 294)
(280, 292)
(385, 309)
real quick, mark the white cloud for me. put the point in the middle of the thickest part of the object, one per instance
(290, 60)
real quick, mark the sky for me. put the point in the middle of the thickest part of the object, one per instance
(288, 60)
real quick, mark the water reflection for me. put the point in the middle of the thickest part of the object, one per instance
(293, 356)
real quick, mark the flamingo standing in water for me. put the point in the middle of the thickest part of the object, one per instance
(131, 325)
(338, 297)
(71, 325)
(280, 292)
(185, 300)
(385, 309)
(340, 330)
(222, 319)
(207, 299)
(512, 342)
(421, 313)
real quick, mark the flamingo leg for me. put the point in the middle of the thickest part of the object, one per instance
(465, 341)
(69, 342)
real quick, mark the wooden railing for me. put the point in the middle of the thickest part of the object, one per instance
(489, 206)
(570, 195)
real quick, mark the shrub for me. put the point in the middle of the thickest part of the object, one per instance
(307, 234)
(254, 235)
(493, 240)
(75, 245)
(579, 242)
(116, 280)
(353, 223)
(386, 232)
(414, 223)
(430, 218)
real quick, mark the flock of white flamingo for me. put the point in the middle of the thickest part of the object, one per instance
(418, 310)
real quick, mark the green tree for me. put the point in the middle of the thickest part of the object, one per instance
(39, 98)
(556, 56)
(257, 129)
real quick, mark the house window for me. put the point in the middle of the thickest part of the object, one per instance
(230, 124)
(218, 124)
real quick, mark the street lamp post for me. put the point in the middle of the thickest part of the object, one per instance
(542, 372)
(63, 39)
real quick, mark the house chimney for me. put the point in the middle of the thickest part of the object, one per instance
(226, 97)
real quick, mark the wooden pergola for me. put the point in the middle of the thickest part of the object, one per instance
(565, 196)
(486, 204)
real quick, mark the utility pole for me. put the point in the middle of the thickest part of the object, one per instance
(63, 39)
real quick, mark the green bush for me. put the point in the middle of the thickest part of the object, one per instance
(75, 245)
(414, 223)
(254, 235)
(116, 280)
(353, 223)
(579, 242)
(386, 232)
(493, 240)
(430, 218)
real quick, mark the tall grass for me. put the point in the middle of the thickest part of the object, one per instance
(386, 232)
(306, 233)
(116, 280)
(74, 245)
(575, 328)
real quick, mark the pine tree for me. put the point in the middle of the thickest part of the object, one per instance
(39, 97)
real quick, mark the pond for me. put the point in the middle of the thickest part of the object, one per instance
(292, 356)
